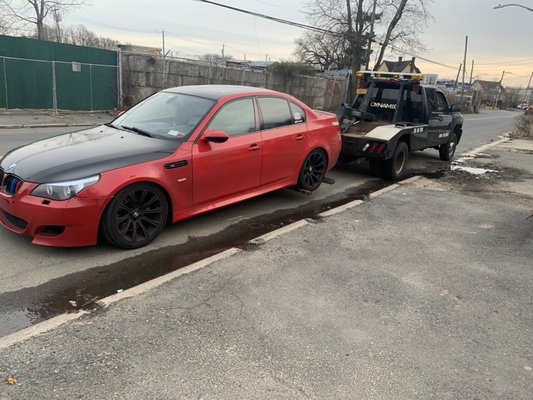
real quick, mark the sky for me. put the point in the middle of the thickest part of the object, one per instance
(498, 39)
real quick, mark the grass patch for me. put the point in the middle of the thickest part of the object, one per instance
(523, 128)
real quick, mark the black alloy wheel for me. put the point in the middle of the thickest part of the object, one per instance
(136, 216)
(313, 170)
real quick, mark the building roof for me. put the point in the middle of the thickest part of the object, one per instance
(399, 66)
(489, 85)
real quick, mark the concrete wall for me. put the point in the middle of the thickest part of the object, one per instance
(143, 75)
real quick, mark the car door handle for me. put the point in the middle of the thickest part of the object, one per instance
(253, 147)
(300, 137)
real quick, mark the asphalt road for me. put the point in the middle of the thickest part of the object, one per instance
(38, 281)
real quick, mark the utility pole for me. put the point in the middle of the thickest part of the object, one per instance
(369, 50)
(526, 99)
(164, 56)
(464, 71)
(57, 19)
(471, 73)
(457, 77)
(499, 89)
(223, 45)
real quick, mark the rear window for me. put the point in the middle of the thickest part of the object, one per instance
(381, 101)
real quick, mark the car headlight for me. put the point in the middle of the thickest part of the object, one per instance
(64, 190)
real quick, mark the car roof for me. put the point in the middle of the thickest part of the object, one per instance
(216, 92)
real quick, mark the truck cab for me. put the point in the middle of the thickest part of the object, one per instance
(393, 115)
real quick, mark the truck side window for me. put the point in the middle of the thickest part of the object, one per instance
(441, 105)
(413, 106)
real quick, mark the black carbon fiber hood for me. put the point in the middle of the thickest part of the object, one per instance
(84, 153)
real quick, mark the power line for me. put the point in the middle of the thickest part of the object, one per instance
(316, 29)
(275, 19)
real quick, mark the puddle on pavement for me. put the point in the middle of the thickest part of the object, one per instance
(82, 290)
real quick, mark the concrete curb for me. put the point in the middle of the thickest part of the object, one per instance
(338, 210)
(145, 287)
(52, 323)
(278, 232)
(41, 327)
(156, 282)
(387, 189)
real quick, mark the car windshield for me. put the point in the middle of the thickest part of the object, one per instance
(165, 115)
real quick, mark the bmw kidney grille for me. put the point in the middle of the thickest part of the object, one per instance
(10, 184)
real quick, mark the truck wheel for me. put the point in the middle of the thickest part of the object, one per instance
(447, 150)
(394, 168)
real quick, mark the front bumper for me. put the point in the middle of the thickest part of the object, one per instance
(70, 223)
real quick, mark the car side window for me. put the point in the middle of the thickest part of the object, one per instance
(235, 118)
(441, 105)
(275, 111)
(298, 113)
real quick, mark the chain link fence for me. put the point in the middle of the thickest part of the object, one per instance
(57, 85)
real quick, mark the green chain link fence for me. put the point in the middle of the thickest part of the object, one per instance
(57, 85)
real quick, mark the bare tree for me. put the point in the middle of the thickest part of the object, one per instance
(81, 36)
(36, 12)
(404, 20)
(398, 23)
(323, 50)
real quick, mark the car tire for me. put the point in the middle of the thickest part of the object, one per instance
(313, 170)
(447, 150)
(394, 168)
(135, 216)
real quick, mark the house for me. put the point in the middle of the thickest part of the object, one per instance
(491, 92)
(399, 66)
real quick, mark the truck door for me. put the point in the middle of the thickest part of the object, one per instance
(440, 117)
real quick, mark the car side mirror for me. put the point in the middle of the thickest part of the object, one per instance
(216, 136)
(455, 108)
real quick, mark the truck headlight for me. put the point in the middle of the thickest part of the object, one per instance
(64, 190)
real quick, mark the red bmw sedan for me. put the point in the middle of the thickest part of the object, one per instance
(178, 153)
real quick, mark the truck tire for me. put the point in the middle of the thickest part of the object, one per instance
(447, 150)
(394, 168)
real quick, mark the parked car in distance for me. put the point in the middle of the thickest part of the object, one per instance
(179, 153)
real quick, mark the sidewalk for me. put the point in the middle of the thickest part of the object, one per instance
(423, 291)
(13, 119)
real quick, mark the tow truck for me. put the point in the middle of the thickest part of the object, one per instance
(393, 115)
